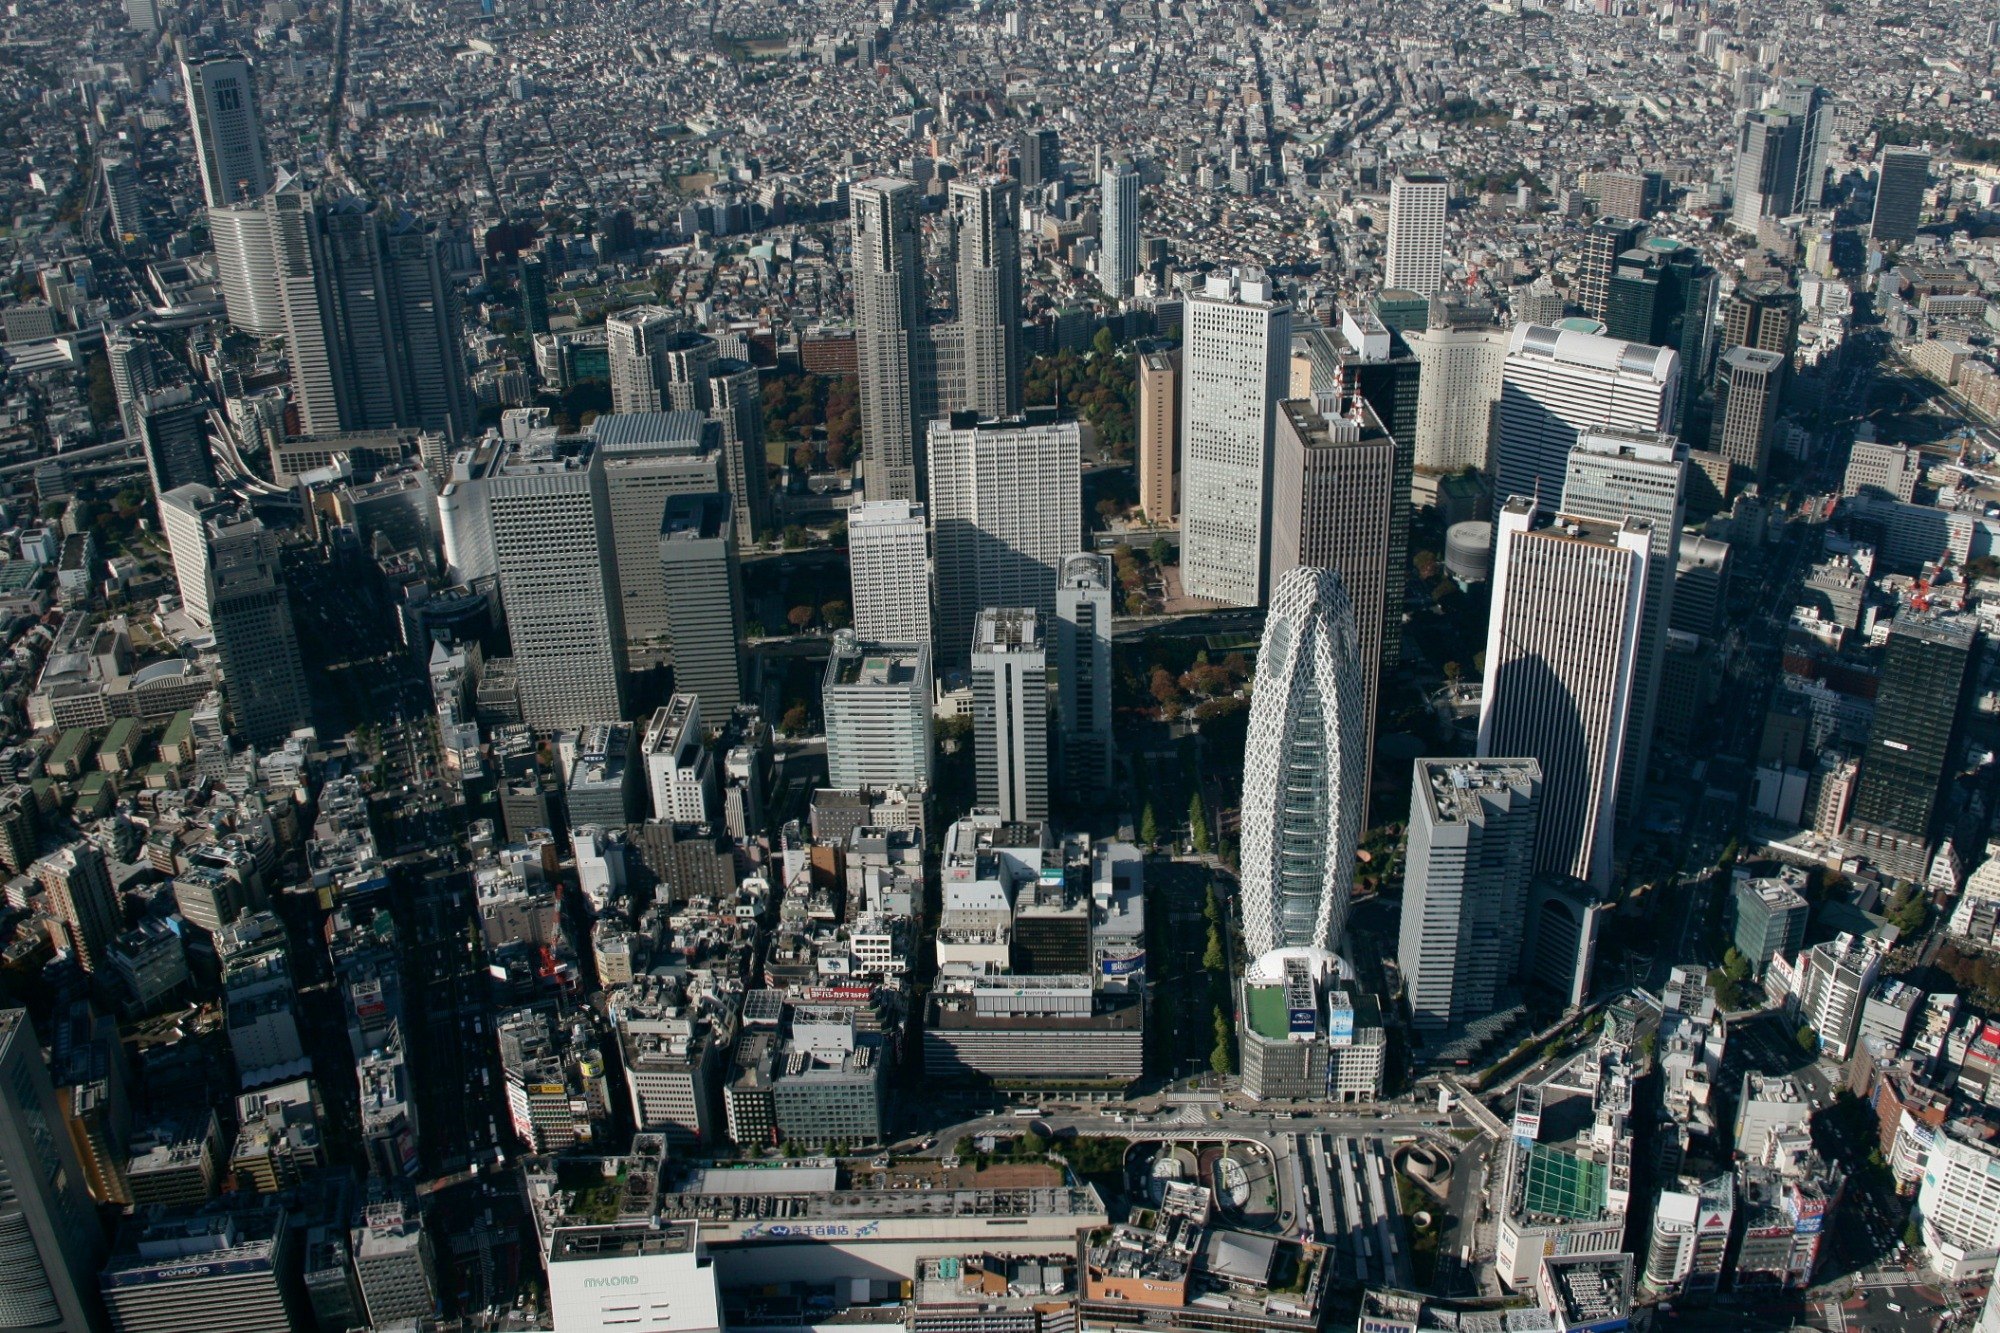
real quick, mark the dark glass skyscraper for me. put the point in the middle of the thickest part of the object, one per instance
(1913, 742)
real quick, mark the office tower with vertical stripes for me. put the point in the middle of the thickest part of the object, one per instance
(1811, 108)
(1899, 195)
(1614, 475)
(704, 586)
(1415, 258)
(650, 457)
(1748, 381)
(1083, 675)
(250, 611)
(1913, 740)
(1557, 383)
(228, 134)
(1561, 657)
(1118, 218)
(173, 436)
(1006, 506)
(632, 353)
(888, 313)
(1467, 870)
(1333, 477)
(1304, 780)
(48, 1226)
(1768, 148)
(876, 699)
(986, 240)
(1235, 367)
(1010, 713)
(889, 571)
(1159, 437)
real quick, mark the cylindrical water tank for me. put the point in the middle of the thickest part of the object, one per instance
(1468, 551)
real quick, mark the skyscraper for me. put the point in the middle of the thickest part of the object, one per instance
(1415, 258)
(1662, 293)
(1010, 713)
(704, 600)
(1333, 474)
(1561, 653)
(1913, 743)
(632, 341)
(1614, 475)
(1006, 506)
(123, 194)
(228, 135)
(889, 570)
(1759, 314)
(1159, 436)
(650, 457)
(173, 435)
(251, 614)
(1235, 366)
(78, 883)
(986, 218)
(1607, 239)
(428, 340)
(1118, 253)
(549, 514)
(1083, 674)
(535, 294)
(888, 310)
(54, 1245)
(1811, 109)
(877, 703)
(1466, 875)
(246, 267)
(1040, 153)
(184, 515)
(1747, 384)
(310, 338)
(1767, 168)
(1456, 391)
(1559, 382)
(135, 371)
(737, 406)
(1899, 194)
(1304, 784)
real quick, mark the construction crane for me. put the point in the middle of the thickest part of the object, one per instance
(1920, 595)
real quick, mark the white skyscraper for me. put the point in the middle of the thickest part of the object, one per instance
(1304, 779)
(888, 563)
(558, 573)
(631, 351)
(1010, 714)
(986, 235)
(1467, 871)
(1415, 260)
(246, 267)
(1083, 673)
(1613, 475)
(1558, 383)
(1118, 214)
(877, 704)
(1235, 367)
(228, 136)
(184, 515)
(1006, 506)
(649, 458)
(1460, 383)
(888, 310)
(1561, 656)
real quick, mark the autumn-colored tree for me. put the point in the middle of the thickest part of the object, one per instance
(794, 720)
(1164, 687)
(800, 616)
(836, 614)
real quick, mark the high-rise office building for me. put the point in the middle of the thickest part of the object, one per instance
(1040, 155)
(736, 405)
(184, 515)
(54, 1245)
(236, 1268)
(1304, 784)
(1006, 506)
(427, 339)
(393, 1265)
(889, 570)
(1010, 713)
(1913, 741)
(650, 457)
(1159, 436)
(704, 587)
(1747, 384)
(1559, 382)
(535, 295)
(143, 16)
(888, 312)
(1333, 477)
(1235, 367)
(246, 267)
(310, 337)
(1899, 194)
(78, 883)
(1625, 194)
(1466, 876)
(1767, 168)
(1561, 656)
(1614, 475)
(1456, 391)
(632, 352)
(173, 436)
(1811, 109)
(123, 195)
(1083, 674)
(1759, 314)
(228, 135)
(1608, 238)
(135, 371)
(1415, 257)
(877, 703)
(1662, 293)
(1118, 215)
(549, 515)
(251, 614)
(986, 239)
